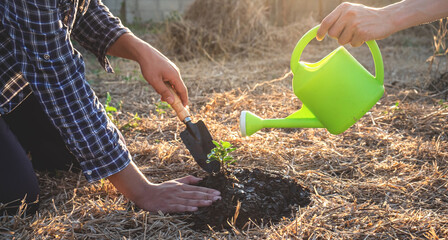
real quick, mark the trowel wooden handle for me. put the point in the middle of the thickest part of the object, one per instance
(177, 105)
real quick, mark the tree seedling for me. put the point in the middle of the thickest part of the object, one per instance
(221, 154)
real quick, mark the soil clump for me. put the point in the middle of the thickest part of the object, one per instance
(250, 195)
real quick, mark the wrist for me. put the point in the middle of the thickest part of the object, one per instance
(143, 195)
(146, 54)
(398, 16)
(131, 183)
(128, 46)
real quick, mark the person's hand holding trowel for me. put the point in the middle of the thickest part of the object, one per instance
(177, 195)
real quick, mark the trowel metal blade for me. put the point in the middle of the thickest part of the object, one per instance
(199, 142)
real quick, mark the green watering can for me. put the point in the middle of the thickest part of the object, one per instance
(335, 92)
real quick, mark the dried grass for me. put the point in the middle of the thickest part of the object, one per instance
(224, 29)
(212, 27)
(384, 178)
(438, 62)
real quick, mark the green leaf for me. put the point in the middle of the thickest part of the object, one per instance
(225, 144)
(216, 143)
(227, 158)
(110, 109)
(108, 98)
(221, 153)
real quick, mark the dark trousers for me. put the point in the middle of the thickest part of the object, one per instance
(28, 142)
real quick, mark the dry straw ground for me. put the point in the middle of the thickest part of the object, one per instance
(384, 178)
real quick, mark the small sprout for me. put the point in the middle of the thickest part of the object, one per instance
(161, 107)
(136, 117)
(110, 109)
(396, 106)
(221, 154)
(443, 104)
(133, 123)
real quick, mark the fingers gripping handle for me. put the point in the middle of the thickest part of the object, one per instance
(311, 34)
(177, 105)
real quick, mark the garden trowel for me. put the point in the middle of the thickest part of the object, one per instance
(196, 136)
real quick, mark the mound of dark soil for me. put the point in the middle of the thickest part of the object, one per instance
(261, 196)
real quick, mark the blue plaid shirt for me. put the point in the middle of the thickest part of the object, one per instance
(37, 57)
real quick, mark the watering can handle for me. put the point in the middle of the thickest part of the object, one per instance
(311, 34)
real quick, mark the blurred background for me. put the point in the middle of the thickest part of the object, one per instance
(281, 11)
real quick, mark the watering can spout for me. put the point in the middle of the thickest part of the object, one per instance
(251, 123)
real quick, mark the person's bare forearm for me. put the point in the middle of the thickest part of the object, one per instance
(356, 23)
(131, 182)
(172, 196)
(155, 67)
(130, 47)
(409, 13)
(126, 46)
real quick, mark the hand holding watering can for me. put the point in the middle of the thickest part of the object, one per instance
(336, 91)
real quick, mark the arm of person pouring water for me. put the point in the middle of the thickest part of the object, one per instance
(356, 23)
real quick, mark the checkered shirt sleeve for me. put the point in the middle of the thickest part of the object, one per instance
(39, 34)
